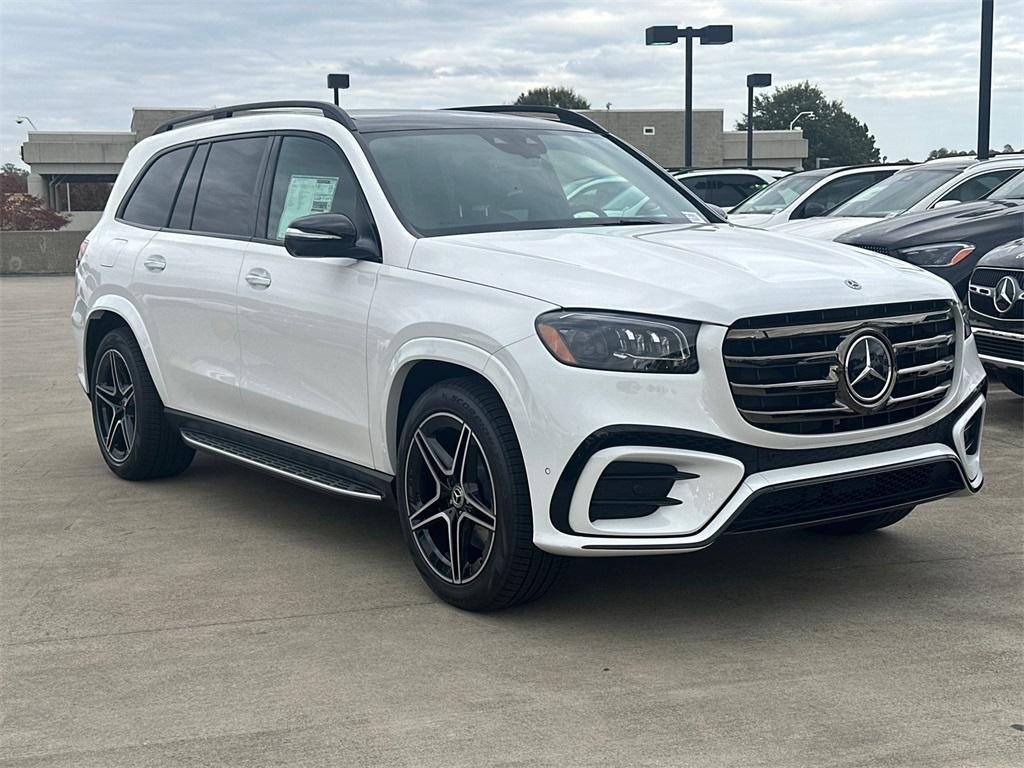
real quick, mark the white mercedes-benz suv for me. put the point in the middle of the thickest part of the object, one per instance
(407, 306)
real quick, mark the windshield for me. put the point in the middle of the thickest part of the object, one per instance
(445, 182)
(895, 194)
(779, 195)
(1011, 189)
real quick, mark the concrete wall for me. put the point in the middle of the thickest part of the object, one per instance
(145, 120)
(39, 253)
(666, 145)
(52, 153)
(772, 149)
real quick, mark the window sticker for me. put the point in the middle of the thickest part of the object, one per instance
(306, 195)
(693, 218)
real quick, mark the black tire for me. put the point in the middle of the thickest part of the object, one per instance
(1013, 381)
(864, 524)
(145, 445)
(513, 570)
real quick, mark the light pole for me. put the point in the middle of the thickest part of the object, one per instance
(19, 119)
(758, 80)
(808, 115)
(985, 79)
(337, 82)
(713, 34)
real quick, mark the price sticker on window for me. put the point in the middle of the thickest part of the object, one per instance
(306, 196)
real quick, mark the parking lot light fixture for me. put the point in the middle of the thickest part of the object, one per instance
(808, 115)
(713, 34)
(337, 82)
(756, 80)
(19, 119)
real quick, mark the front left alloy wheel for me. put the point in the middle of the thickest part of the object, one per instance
(464, 501)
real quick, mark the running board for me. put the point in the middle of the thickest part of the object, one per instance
(290, 469)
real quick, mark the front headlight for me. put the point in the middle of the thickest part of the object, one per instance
(607, 341)
(937, 255)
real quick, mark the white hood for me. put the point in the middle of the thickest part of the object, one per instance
(712, 273)
(825, 227)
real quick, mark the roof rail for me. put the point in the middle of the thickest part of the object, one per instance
(566, 116)
(330, 111)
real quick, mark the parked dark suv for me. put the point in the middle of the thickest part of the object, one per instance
(997, 313)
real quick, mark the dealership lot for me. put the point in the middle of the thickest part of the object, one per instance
(225, 617)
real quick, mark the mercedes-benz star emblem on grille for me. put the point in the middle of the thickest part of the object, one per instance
(852, 284)
(869, 372)
(1005, 295)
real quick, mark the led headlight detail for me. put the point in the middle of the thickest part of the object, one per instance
(937, 255)
(612, 342)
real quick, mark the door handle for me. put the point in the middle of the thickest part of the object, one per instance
(155, 263)
(258, 278)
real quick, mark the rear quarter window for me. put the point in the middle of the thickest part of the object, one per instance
(151, 199)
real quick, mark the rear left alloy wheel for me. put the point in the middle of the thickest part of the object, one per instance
(134, 436)
(464, 500)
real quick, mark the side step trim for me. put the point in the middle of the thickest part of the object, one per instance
(290, 470)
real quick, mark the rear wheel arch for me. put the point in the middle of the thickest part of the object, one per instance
(107, 314)
(99, 324)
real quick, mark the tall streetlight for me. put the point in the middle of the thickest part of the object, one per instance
(985, 80)
(808, 115)
(713, 34)
(757, 80)
(19, 119)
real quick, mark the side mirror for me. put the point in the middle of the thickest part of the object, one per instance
(324, 236)
(810, 210)
(945, 204)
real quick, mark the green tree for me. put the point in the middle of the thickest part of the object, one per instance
(13, 179)
(943, 152)
(566, 98)
(834, 133)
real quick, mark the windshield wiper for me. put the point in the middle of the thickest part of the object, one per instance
(625, 221)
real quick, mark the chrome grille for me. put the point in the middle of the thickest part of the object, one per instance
(983, 284)
(784, 369)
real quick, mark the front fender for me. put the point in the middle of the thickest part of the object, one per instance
(384, 410)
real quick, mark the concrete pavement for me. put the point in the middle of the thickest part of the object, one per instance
(227, 618)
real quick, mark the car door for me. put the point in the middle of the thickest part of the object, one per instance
(302, 322)
(186, 277)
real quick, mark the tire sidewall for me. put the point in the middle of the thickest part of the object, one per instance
(119, 341)
(502, 462)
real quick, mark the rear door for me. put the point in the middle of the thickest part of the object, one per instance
(186, 277)
(302, 322)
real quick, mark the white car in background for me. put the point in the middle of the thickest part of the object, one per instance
(728, 187)
(935, 184)
(807, 194)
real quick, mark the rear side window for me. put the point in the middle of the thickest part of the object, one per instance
(227, 199)
(733, 190)
(150, 203)
(839, 191)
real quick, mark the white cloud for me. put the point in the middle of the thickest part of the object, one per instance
(908, 68)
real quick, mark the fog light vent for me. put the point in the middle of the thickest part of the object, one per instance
(972, 434)
(629, 489)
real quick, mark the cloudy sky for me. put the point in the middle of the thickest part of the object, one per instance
(908, 68)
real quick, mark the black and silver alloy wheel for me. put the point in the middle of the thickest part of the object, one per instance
(464, 499)
(451, 498)
(115, 406)
(135, 438)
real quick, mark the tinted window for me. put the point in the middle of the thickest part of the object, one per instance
(839, 191)
(701, 186)
(979, 186)
(733, 189)
(150, 203)
(226, 203)
(1011, 190)
(311, 177)
(181, 216)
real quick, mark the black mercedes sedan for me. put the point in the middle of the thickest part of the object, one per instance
(949, 241)
(997, 313)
